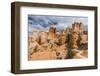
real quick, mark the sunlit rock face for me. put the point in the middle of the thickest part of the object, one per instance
(53, 44)
(77, 27)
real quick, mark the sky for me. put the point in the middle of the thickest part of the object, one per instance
(41, 22)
